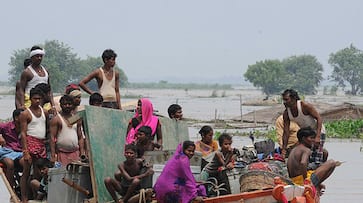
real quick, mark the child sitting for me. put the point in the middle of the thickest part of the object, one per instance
(128, 178)
(40, 188)
(144, 141)
(223, 160)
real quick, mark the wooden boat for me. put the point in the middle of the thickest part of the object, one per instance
(280, 193)
(105, 130)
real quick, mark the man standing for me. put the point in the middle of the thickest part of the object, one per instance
(67, 143)
(11, 152)
(34, 74)
(108, 81)
(304, 114)
(33, 122)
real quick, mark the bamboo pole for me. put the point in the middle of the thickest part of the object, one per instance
(13, 196)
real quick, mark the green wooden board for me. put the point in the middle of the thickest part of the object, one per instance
(106, 132)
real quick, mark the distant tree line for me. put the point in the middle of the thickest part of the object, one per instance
(64, 66)
(304, 73)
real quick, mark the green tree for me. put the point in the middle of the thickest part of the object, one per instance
(267, 75)
(348, 68)
(302, 73)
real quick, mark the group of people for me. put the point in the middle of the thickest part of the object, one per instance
(42, 132)
(301, 136)
(176, 182)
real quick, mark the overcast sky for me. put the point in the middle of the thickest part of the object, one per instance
(190, 39)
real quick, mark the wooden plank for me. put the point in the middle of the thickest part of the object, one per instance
(252, 197)
(105, 137)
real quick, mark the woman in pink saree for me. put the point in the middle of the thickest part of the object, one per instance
(144, 116)
(176, 183)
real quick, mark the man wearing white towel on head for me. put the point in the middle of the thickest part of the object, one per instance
(34, 74)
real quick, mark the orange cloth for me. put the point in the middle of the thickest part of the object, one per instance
(206, 149)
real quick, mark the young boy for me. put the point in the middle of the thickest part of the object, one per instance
(297, 163)
(108, 81)
(175, 112)
(40, 188)
(96, 99)
(144, 141)
(128, 177)
(223, 159)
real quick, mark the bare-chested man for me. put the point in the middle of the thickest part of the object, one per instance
(297, 163)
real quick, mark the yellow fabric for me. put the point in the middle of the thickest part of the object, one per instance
(280, 131)
(27, 103)
(206, 149)
(299, 180)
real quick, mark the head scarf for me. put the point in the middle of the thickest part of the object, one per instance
(148, 119)
(37, 52)
(75, 93)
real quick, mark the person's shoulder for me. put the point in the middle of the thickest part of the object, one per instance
(305, 104)
(26, 73)
(56, 119)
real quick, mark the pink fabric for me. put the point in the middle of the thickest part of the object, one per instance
(67, 157)
(176, 182)
(148, 119)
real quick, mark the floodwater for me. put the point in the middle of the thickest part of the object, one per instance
(344, 185)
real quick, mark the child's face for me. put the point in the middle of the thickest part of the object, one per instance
(227, 145)
(44, 170)
(309, 140)
(189, 151)
(178, 115)
(130, 154)
(140, 135)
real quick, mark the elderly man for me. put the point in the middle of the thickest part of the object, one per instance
(34, 74)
